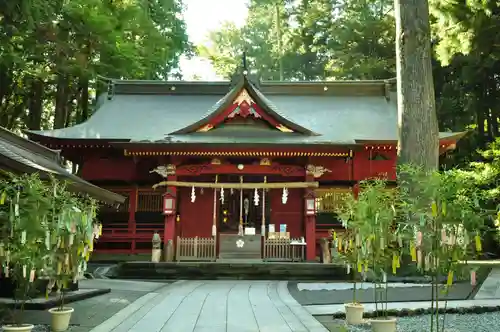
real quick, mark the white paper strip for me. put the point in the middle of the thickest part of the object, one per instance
(32, 275)
(47, 239)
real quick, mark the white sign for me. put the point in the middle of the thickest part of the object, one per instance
(271, 228)
(250, 231)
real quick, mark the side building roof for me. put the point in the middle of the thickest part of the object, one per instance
(330, 112)
(21, 155)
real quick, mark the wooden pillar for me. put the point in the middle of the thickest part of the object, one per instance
(263, 222)
(169, 229)
(132, 208)
(355, 190)
(310, 225)
(214, 215)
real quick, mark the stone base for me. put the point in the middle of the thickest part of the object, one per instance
(229, 269)
(42, 303)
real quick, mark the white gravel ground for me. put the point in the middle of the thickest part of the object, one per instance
(487, 322)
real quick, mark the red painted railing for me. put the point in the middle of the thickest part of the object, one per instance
(129, 237)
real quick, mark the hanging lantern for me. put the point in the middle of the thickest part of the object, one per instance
(168, 203)
(310, 208)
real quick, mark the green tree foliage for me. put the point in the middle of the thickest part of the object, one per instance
(467, 38)
(52, 51)
(312, 40)
(340, 39)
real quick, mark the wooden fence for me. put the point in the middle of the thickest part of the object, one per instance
(290, 250)
(196, 249)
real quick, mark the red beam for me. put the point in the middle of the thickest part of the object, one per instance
(275, 169)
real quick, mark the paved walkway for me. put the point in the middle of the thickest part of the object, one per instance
(490, 289)
(91, 312)
(215, 306)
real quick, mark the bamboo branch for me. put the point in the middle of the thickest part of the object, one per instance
(276, 185)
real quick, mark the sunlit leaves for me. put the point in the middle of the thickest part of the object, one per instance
(321, 39)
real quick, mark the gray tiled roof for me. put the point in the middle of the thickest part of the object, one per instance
(22, 155)
(337, 118)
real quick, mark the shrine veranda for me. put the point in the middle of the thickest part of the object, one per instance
(248, 170)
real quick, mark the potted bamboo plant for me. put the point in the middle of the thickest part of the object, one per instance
(71, 243)
(353, 213)
(443, 210)
(369, 219)
(348, 252)
(384, 247)
(24, 205)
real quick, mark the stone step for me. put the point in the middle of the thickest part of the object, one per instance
(239, 261)
(230, 269)
(239, 255)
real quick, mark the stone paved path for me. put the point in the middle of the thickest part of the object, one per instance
(490, 289)
(91, 312)
(215, 306)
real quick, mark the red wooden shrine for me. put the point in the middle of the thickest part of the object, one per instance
(330, 134)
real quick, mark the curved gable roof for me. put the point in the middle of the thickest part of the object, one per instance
(218, 112)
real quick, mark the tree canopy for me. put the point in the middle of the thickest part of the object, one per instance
(52, 53)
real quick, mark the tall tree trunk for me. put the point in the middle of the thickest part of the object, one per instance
(477, 106)
(492, 106)
(279, 40)
(61, 108)
(83, 101)
(73, 95)
(417, 120)
(34, 120)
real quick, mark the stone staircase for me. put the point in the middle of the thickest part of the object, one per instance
(233, 247)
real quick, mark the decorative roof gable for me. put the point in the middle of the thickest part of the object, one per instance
(244, 101)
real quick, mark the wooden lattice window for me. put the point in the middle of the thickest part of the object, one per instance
(150, 201)
(328, 200)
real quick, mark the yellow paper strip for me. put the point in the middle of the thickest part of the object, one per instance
(413, 252)
(360, 267)
(479, 246)
(434, 209)
(449, 282)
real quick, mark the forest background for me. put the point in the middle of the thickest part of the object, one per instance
(54, 56)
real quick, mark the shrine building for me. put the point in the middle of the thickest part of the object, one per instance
(245, 169)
